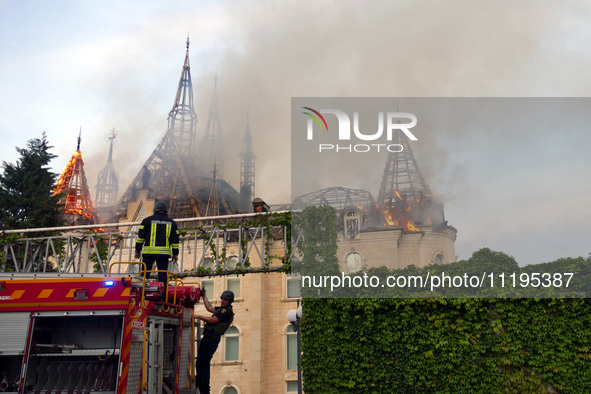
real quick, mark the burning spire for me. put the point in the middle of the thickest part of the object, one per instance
(107, 183)
(403, 187)
(211, 148)
(247, 159)
(72, 185)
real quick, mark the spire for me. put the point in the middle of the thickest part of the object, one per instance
(404, 197)
(213, 205)
(73, 186)
(182, 119)
(107, 182)
(247, 159)
(211, 148)
(402, 175)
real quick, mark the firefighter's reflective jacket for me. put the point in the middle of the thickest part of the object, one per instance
(158, 234)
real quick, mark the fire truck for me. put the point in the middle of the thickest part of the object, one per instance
(97, 333)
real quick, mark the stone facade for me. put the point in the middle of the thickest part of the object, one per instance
(262, 302)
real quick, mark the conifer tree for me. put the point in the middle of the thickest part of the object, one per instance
(26, 189)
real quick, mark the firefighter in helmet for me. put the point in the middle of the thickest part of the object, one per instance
(157, 235)
(215, 326)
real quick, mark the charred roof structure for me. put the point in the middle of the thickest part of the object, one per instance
(73, 187)
(107, 182)
(173, 173)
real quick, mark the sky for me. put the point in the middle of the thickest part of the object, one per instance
(95, 66)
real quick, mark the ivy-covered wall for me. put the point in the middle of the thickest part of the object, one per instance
(446, 345)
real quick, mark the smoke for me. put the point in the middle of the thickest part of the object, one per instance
(264, 53)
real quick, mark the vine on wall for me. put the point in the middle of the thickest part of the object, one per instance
(410, 345)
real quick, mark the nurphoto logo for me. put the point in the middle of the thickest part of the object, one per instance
(392, 120)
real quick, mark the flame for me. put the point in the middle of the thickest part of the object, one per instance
(403, 220)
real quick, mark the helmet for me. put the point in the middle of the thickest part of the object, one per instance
(227, 295)
(160, 207)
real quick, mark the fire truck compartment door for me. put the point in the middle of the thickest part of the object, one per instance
(13, 335)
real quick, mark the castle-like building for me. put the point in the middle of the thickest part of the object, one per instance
(404, 226)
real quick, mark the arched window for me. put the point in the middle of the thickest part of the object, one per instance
(353, 261)
(207, 263)
(230, 390)
(232, 342)
(232, 262)
(352, 222)
(292, 349)
(438, 259)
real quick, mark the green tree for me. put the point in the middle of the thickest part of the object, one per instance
(26, 189)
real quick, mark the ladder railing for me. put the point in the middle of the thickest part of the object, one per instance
(209, 246)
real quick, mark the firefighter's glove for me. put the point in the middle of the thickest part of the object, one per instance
(137, 255)
(174, 259)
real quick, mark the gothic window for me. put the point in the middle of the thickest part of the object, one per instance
(438, 259)
(352, 223)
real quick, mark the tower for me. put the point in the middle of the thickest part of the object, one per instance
(211, 147)
(404, 197)
(173, 174)
(107, 182)
(182, 119)
(401, 175)
(165, 173)
(213, 205)
(73, 186)
(247, 159)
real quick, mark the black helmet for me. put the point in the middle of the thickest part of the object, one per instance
(160, 207)
(227, 295)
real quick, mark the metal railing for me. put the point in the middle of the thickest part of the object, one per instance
(209, 246)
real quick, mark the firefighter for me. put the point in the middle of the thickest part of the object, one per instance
(215, 326)
(158, 234)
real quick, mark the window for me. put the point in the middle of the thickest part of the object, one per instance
(207, 285)
(438, 259)
(292, 349)
(291, 386)
(232, 262)
(352, 222)
(232, 337)
(234, 286)
(353, 262)
(230, 390)
(207, 263)
(293, 286)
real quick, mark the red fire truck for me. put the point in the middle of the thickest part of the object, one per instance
(96, 333)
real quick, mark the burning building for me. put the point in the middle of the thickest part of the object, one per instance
(176, 173)
(73, 187)
(405, 226)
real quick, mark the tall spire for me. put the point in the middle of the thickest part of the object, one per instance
(213, 205)
(107, 182)
(182, 119)
(211, 148)
(166, 172)
(402, 175)
(247, 159)
(73, 186)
